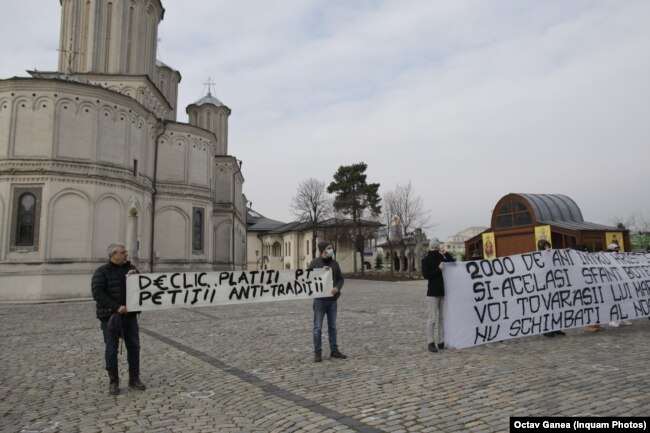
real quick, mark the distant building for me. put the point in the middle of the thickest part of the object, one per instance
(277, 245)
(404, 253)
(456, 243)
(517, 216)
(92, 154)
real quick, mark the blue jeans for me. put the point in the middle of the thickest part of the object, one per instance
(322, 308)
(131, 341)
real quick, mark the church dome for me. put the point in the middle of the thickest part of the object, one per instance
(209, 99)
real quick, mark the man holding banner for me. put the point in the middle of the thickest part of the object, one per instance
(109, 291)
(544, 245)
(432, 266)
(327, 306)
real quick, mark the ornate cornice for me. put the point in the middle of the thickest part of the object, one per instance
(176, 191)
(17, 169)
(97, 93)
(74, 180)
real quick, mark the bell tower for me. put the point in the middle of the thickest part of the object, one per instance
(211, 114)
(109, 36)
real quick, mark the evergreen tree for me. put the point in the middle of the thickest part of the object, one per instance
(354, 197)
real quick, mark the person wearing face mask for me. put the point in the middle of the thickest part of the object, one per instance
(327, 306)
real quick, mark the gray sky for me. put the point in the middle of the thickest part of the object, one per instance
(468, 99)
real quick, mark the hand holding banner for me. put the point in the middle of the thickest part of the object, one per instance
(533, 293)
(145, 292)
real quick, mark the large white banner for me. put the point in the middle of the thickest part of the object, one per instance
(146, 292)
(528, 294)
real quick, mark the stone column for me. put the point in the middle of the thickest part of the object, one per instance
(132, 235)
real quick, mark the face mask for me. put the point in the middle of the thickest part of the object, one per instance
(330, 253)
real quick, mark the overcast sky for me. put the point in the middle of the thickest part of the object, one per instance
(468, 99)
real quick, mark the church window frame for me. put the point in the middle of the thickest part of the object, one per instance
(26, 217)
(198, 229)
(513, 213)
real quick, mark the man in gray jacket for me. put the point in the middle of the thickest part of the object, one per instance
(327, 306)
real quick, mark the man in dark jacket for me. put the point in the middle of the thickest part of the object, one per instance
(432, 266)
(109, 291)
(327, 306)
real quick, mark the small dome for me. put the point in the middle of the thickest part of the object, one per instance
(209, 99)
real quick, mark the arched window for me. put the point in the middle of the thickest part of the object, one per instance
(197, 230)
(512, 213)
(276, 250)
(26, 220)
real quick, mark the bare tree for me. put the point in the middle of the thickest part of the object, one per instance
(391, 230)
(311, 205)
(404, 212)
(409, 208)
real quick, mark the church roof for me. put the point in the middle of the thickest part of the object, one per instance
(209, 99)
(554, 207)
(259, 223)
(559, 210)
(328, 223)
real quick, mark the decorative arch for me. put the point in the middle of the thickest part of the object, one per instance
(68, 225)
(222, 242)
(107, 111)
(74, 130)
(5, 104)
(41, 102)
(32, 128)
(129, 91)
(4, 230)
(108, 223)
(5, 125)
(112, 136)
(87, 107)
(172, 233)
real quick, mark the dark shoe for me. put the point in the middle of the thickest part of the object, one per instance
(432, 347)
(549, 334)
(441, 346)
(560, 333)
(136, 383)
(336, 354)
(114, 382)
(318, 356)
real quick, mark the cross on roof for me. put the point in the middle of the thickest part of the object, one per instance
(210, 84)
(70, 54)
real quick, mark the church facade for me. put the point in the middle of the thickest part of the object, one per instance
(92, 154)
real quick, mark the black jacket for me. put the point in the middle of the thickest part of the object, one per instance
(431, 271)
(109, 288)
(337, 275)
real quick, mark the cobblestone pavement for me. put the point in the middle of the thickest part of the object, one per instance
(249, 368)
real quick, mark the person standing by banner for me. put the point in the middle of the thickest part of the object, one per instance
(544, 245)
(615, 248)
(109, 291)
(432, 265)
(327, 306)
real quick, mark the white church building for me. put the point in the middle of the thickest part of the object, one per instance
(92, 154)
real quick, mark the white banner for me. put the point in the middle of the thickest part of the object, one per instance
(145, 292)
(528, 294)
